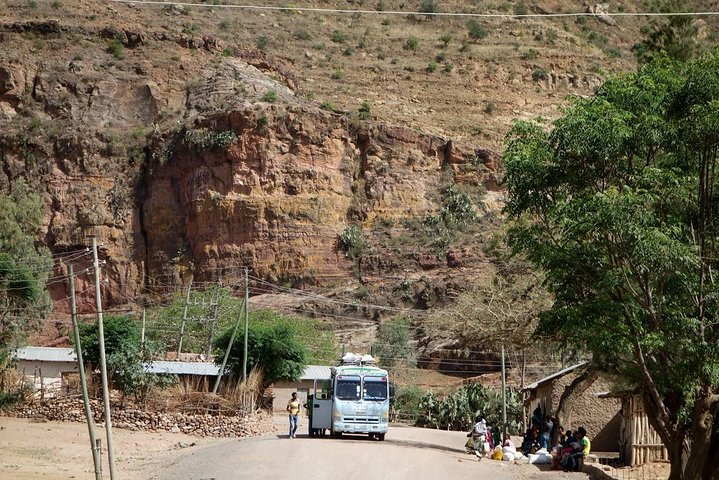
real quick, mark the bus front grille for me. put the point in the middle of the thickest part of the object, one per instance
(361, 419)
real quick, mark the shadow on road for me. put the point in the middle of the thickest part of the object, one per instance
(364, 438)
(433, 446)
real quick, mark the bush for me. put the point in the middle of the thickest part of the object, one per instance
(203, 139)
(476, 30)
(539, 74)
(520, 8)
(125, 355)
(351, 242)
(393, 345)
(412, 43)
(530, 54)
(262, 43)
(457, 208)
(551, 35)
(428, 6)
(457, 410)
(489, 107)
(338, 75)
(116, 48)
(328, 106)
(338, 36)
(364, 110)
(407, 400)
(270, 96)
(431, 67)
(445, 39)
(279, 345)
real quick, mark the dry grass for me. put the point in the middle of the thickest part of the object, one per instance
(193, 396)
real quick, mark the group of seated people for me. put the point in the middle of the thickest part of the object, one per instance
(571, 449)
(573, 446)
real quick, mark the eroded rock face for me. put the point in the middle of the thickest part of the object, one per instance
(106, 147)
(278, 197)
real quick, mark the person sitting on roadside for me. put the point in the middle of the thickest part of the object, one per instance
(580, 451)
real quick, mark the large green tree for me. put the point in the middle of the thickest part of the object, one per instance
(126, 357)
(24, 269)
(617, 204)
(281, 346)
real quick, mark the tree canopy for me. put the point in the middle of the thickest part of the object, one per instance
(279, 345)
(126, 356)
(616, 204)
(24, 268)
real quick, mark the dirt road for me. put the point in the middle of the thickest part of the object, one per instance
(34, 450)
(56, 450)
(407, 453)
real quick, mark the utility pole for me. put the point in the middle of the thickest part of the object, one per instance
(229, 347)
(103, 363)
(247, 322)
(504, 398)
(94, 442)
(184, 317)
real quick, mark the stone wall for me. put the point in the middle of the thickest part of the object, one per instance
(72, 410)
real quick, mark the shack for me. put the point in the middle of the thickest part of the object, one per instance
(601, 417)
(304, 386)
(46, 368)
(639, 443)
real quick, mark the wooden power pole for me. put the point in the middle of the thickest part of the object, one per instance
(94, 442)
(103, 362)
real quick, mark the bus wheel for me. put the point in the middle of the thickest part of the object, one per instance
(381, 437)
(371, 436)
(336, 434)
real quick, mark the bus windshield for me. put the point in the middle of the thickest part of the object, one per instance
(348, 388)
(375, 388)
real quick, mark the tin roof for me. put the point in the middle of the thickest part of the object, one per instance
(183, 368)
(46, 354)
(559, 374)
(53, 354)
(316, 372)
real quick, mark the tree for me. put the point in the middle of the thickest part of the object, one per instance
(500, 309)
(126, 356)
(275, 344)
(675, 36)
(393, 345)
(616, 205)
(24, 269)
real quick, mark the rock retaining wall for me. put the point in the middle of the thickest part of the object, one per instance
(72, 410)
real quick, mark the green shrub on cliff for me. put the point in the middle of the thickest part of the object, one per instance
(204, 139)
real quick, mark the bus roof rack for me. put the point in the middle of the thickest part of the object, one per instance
(356, 359)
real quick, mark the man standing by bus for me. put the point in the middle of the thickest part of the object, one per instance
(293, 407)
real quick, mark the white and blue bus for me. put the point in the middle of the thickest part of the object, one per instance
(355, 401)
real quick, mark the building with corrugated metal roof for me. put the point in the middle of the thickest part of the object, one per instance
(47, 369)
(304, 386)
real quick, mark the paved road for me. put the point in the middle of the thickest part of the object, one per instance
(407, 453)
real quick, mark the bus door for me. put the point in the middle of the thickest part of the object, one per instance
(321, 408)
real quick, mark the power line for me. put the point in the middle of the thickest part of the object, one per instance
(427, 14)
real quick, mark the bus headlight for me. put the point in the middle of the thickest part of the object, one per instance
(337, 415)
(385, 417)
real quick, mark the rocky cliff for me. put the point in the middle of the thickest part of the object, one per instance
(213, 164)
